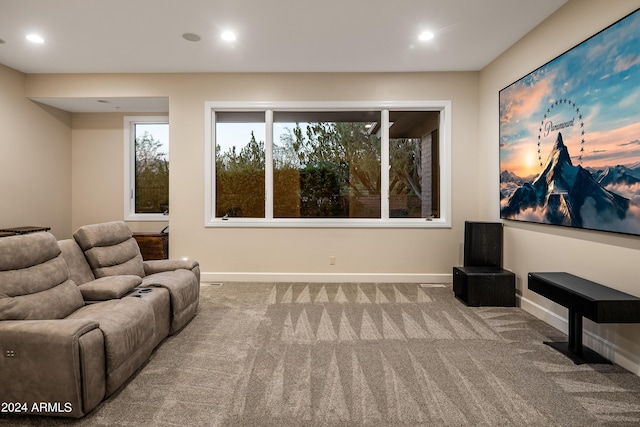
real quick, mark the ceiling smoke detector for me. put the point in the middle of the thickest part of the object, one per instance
(191, 37)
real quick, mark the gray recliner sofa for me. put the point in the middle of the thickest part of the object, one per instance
(71, 344)
(111, 250)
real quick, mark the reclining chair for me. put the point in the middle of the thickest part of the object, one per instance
(111, 250)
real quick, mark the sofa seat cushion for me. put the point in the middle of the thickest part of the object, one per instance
(184, 291)
(35, 279)
(129, 335)
(160, 302)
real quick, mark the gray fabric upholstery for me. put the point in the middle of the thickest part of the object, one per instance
(184, 291)
(106, 288)
(34, 279)
(110, 249)
(181, 278)
(56, 348)
(46, 367)
(79, 271)
(18, 252)
(103, 234)
(160, 302)
(129, 333)
(55, 303)
(47, 356)
(160, 265)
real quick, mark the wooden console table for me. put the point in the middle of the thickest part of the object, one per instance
(153, 245)
(584, 298)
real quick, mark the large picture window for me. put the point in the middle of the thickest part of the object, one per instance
(327, 165)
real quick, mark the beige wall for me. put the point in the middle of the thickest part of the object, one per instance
(98, 170)
(35, 160)
(98, 166)
(602, 257)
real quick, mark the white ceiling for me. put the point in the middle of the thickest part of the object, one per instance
(145, 36)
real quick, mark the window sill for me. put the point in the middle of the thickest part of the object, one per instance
(147, 217)
(327, 223)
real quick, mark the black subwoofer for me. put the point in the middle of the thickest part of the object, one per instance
(485, 286)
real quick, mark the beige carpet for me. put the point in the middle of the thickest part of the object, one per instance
(362, 354)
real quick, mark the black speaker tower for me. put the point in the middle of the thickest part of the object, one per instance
(482, 244)
(482, 281)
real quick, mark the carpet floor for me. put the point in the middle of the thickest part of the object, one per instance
(313, 354)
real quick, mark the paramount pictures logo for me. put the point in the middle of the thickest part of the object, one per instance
(550, 127)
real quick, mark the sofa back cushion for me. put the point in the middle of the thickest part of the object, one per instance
(34, 279)
(110, 249)
(79, 270)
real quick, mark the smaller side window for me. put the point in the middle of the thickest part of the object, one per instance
(146, 192)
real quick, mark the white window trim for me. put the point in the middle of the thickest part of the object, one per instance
(443, 106)
(129, 168)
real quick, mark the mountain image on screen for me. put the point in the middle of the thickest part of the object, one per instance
(564, 194)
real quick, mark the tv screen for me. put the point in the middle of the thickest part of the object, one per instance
(570, 136)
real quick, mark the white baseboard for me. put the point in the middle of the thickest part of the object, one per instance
(555, 320)
(211, 277)
(611, 351)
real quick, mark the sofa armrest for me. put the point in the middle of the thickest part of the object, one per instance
(52, 361)
(161, 265)
(44, 331)
(109, 287)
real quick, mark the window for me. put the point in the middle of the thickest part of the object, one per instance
(146, 192)
(240, 165)
(414, 169)
(318, 164)
(326, 164)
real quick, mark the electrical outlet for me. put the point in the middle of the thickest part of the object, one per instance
(332, 260)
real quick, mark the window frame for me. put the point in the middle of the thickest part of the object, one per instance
(442, 106)
(130, 168)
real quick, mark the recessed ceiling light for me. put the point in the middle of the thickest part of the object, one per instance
(191, 37)
(426, 35)
(35, 38)
(228, 36)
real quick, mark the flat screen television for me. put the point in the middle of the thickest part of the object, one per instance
(570, 136)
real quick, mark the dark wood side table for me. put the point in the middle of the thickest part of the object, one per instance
(24, 230)
(153, 245)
